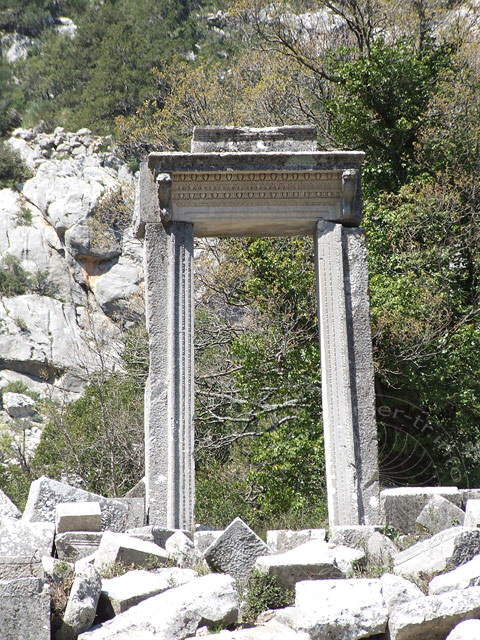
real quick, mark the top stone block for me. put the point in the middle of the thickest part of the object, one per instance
(218, 139)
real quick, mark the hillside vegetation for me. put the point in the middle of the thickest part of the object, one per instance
(398, 80)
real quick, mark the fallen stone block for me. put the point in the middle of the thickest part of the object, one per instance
(439, 514)
(22, 546)
(45, 494)
(7, 508)
(149, 533)
(464, 576)
(272, 630)
(397, 590)
(401, 507)
(380, 549)
(138, 491)
(120, 548)
(181, 549)
(73, 546)
(82, 603)
(24, 609)
(281, 540)
(315, 560)
(472, 513)
(121, 593)
(355, 536)
(341, 609)
(466, 630)
(444, 551)
(433, 617)
(78, 516)
(236, 551)
(203, 539)
(136, 511)
(176, 613)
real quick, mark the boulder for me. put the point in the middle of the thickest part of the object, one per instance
(272, 630)
(402, 506)
(236, 551)
(126, 550)
(433, 617)
(314, 560)
(181, 549)
(466, 575)
(78, 516)
(7, 508)
(18, 405)
(45, 494)
(380, 549)
(444, 551)
(341, 609)
(75, 545)
(355, 536)
(117, 285)
(121, 593)
(24, 609)
(397, 590)
(280, 540)
(176, 613)
(472, 513)
(466, 630)
(439, 514)
(22, 546)
(82, 603)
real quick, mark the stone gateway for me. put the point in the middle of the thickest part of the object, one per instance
(257, 182)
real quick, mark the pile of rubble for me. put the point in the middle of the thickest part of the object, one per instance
(120, 578)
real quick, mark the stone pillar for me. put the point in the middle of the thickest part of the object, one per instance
(169, 393)
(347, 375)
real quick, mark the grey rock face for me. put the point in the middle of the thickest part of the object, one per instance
(355, 536)
(7, 508)
(284, 540)
(122, 548)
(22, 546)
(236, 550)
(24, 609)
(18, 405)
(433, 617)
(175, 614)
(466, 575)
(78, 516)
(72, 545)
(439, 514)
(341, 609)
(397, 590)
(45, 494)
(472, 513)
(402, 506)
(82, 603)
(121, 593)
(314, 560)
(380, 549)
(445, 550)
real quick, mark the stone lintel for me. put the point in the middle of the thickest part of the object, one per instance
(287, 138)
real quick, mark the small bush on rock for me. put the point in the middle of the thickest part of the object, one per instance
(262, 593)
(12, 169)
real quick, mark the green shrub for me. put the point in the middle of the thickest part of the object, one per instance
(262, 593)
(14, 279)
(12, 169)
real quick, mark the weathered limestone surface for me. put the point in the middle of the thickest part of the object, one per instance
(464, 576)
(355, 536)
(281, 540)
(439, 514)
(175, 614)
(122, 548)
(272, 630)
(24, 609)
(203, 539)
(72, 545)
(218, 139)
(45, 494)
(444, 551)
(22, 546)
(466, 630)
(347, 376)
(82, 603)
(314, 560)
(150, 533)
(78, 516)
(380, 549)
(341, 609)
(433, 617)
(472, 513)
(401, 507)
(236, 550)
(7, 508)
(121, 593)
(397, 590)
(169, 391)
